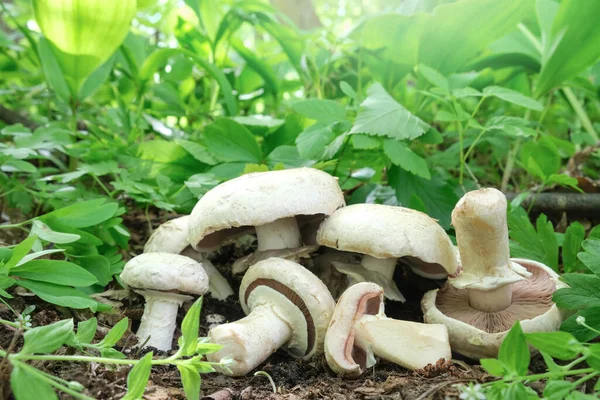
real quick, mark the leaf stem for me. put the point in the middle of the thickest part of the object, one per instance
(40, 375)
(10, 323)
(532, 38)
(579, 110)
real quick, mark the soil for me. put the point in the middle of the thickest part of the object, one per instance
(294, 379)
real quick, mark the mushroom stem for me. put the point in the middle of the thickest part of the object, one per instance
(491, 300)
(218, 286)
(280, 234)
(250, 340)
(384, 266)
(159, 318)
(410, 344)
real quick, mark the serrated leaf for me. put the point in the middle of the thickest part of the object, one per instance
(574, 236)
(581, 333)
(401, 155)
(591, 257)
(137, 379)
(381, 115)
(48, 338)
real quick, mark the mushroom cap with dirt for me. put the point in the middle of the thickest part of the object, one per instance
(359, 330)
(166, 281)
(287, 307)
(492, 290)
(171, 237)
(273, 202)
(385, 234)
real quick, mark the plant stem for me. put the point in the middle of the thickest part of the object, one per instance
(101, 360)
(461, 138)
(99, 182)
(585, 378)
(18, 225)
(532, 38)
(10, 323)
(585, 120)
(547, 375)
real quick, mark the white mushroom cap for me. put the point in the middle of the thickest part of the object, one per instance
(359, 330)
(479, 334)
(165, 272)
(261, 198)
(170, 237)
(307, 305)
(383, 231)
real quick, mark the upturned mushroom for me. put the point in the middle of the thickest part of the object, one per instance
(166, 281)
(171, 237)
(359, 330)
(384, 235)
(287, 307)
(273, 202)
(492, 291)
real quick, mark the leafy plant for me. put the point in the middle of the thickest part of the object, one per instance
(512, 367)
(39, 343)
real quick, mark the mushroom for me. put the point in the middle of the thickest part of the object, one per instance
(384, 235)
(359, 330)
(171, 237)
(286, 305)
(492, 291)
(166, 281)
(273, 202)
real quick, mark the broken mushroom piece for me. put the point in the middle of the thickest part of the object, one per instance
(384, 235)
(359, 330)
(272, 202)
(286, 306)
(492, 291)
(171, 237)
(166, 281)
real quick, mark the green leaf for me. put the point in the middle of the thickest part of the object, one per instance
(112, 353)
(60, 295)
(516, 391)
(190, 380)
(257, 64)
(311, 143)
(591, 257)
(381, 115)
(575, 35)
(52, 71)
(190, 327)
(96, 79)
(401, 155)
(19, 252)
(230, 141)
(325, 111)
(563, 180)
(198, 151)
(584, 291)
(548, 241)
(364, 142)
(83, 214)
(514, 352)
(561, 345)
(54, 271)
(81, 37)
(574, 236)
(593, 359)
(558, 390)
(434, 77)
(44, 232)
(159, 58)
(493, 367)
(137, 379)
(27, 386)
(288, 156)
(513, 96)
(86, 330)
(48, 338)
(97, 265)
(115, 334)
(541, 159)
(583, 334)
(436, 195)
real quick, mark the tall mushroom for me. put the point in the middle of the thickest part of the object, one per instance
(273, 202)
(359, 330)
(166, 281)
(492, 291)
(171, 237)
(286, 306)
(385, 235)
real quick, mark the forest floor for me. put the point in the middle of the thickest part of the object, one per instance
(295, 379)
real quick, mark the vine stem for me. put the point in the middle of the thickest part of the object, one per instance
(585, 120)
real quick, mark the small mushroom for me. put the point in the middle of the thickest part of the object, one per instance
(273, 202)
(166, 281)
(359, 330)
(492, 291)
(171, 237)
(286, 306)
(385, 235)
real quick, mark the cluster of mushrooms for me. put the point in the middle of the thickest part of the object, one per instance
(296, 212)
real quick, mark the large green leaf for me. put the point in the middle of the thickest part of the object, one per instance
(573, 45)
(401, 155)
(381, 115)
(83, 33)
(54, 271)
(230, 141)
